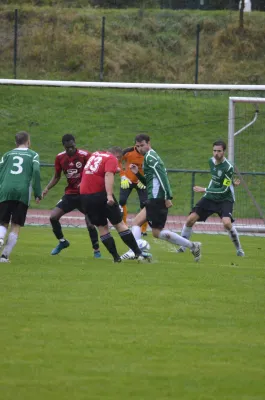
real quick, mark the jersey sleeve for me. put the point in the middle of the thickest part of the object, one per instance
(111, 165)
(161, 174)
(36, 176)
(57, 166)
(227, 182)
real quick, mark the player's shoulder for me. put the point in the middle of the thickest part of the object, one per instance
(62, 154)
(228, 165)
(82, 152)
(128, 150)
(152, 155)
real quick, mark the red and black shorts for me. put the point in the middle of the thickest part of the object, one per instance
(205, 208)
(14, 211)
(98, 211)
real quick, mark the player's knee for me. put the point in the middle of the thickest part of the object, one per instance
(227, 224)
(156, 232)
(192, 218)
(54, 218)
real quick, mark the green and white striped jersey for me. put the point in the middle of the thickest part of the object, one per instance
(221, 186)
(155, 177)
(18, 168)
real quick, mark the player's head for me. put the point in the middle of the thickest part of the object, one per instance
(142, 143)
(68, 142)
(116, 151)
(22, 139)
(219, 148)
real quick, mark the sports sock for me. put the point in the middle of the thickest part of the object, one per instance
(186, 231)
(144, 227)
(93, 233)
(125, 213)
(110, 245)
(57, 229)
(11, 241)
(136, 231)
(174, 238)
(234, 237)
(128, 238)
(3, 231)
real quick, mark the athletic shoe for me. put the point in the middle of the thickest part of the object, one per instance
(117, 259)
(181, 249)
(1, 243)
(240, 253)
(147, 256)
(196, 251)
(129, 255)
(3, 259)
(97, 254)
(60, 247)
(144, 234)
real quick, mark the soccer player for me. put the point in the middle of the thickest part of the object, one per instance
(129, 181)
(159, 198)
(72, 162)
(100, 204)
(218, 197)
(18, 167)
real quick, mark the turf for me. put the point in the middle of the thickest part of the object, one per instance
(77, 328)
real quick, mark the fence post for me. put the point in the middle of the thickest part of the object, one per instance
(15, 43)
(192, 192)
(197, 53)
(101, 74)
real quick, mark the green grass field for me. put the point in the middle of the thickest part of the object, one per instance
(77, 328)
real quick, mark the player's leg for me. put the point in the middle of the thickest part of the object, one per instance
(142, 195)
(62, 207)
(124, 194)
(227, 219)
(93, 233)
(5, 216)
(186, 231)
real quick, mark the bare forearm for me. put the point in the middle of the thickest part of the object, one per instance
(53, 182)
(109, 183)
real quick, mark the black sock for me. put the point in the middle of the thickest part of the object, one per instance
(128, 238)
(110, 245)
(93, 233)
(57, 229)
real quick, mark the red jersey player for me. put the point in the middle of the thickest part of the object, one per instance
(71, 162)
(99, 203)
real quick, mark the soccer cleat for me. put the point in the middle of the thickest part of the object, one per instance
(97, 254)
(4, 259)
(181, 249)
(196, 251)
(60, 247)
(147, 256)
(1, 243)
(240, 253)
(129, 255)
(117, 259)
(144, 234)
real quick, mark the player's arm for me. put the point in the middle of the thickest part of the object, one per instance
(55, 179)
(227, 182)
(125, 181)
(161, 175)
(109, 183)
(36, 178)
(136, 172)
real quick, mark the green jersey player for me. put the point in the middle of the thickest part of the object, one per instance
(159, 198)
(18, 168)
(218, 197)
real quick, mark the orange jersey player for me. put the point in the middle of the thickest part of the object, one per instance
(129, 181)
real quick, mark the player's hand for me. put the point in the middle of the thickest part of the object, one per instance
(45, 191)
(140, 185)
(168, 203)
(134, 168)
(199, 189)
(38, 199)
(125, 182)
(236, 182)
(110, 200)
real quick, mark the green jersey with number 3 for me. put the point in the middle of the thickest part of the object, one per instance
(19, 168)
(221, 186)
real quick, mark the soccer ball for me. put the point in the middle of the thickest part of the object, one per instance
(143, 245)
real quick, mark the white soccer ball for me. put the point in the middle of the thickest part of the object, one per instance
(143, 245)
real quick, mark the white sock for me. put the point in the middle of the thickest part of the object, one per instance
(11, 241)
(136, 231)
(174, 238)
(3, 231)
(186, 231)
(234, 237)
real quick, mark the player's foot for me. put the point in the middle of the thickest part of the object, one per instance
(129, 255)
(60, 247)
(147, 256)
(117, 259)
(144, 234)
(4, 259)
(240, 253)
(196, 251)
(181, 249)
(1, 243)
(97, 254)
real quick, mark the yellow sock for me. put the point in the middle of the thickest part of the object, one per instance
(144, 227)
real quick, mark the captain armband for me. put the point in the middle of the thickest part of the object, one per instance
(227, 182)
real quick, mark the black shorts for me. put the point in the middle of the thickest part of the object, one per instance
(98, 211)
(205, 208)
(70, 202)
(13, 210)
(156, 213)
(125, 193)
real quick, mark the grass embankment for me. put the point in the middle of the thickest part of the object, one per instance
(153, 46)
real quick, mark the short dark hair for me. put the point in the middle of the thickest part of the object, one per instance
(67, 137)
(21, 137)
(220, 143)
(141, 137)
(115, 150)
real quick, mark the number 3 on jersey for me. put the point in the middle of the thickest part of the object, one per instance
(93, 164)
(17, 165)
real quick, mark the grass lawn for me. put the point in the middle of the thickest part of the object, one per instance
(77, 328)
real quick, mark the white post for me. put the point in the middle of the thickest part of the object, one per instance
(231, 130)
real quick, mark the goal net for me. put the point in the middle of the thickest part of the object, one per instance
(182, 120)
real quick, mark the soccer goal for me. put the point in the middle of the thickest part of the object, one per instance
(183, 120)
